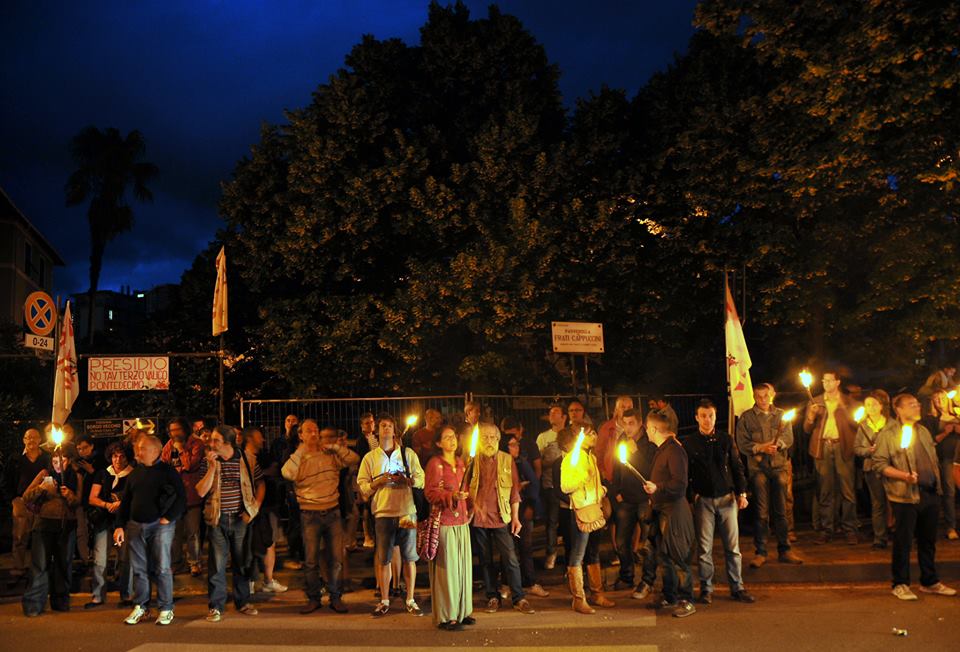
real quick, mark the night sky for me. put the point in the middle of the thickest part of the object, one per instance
(198, 77)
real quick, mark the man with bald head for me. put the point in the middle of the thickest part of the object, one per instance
(19, 473)
(152, 502)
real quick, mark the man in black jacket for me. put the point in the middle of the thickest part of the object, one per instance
(632, 505)
(718, 486)
(152, 502)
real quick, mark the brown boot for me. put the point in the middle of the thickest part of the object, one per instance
(575, 581)
(597, 598)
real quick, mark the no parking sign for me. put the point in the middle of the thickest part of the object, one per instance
(40, 313)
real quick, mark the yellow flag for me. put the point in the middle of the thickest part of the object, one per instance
(220, 313)
(738, 360)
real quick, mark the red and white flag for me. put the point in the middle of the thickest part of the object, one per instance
(738, 359)
(220, 316)
(66, 386)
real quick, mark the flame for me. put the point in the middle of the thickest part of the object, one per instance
(473, 440)
(575, 455)
(622, 452)
(859, 414)
(56, 435)
(952, 394)
(412, 420)
(806, 378)
(789, 415)
(906, 436)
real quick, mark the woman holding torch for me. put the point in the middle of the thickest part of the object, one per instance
(906, 458)
(580, 480)
(872, 419)
(451, 569)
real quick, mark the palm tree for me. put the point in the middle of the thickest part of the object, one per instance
(107, 165)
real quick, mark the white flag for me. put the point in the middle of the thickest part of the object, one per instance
(738, 359)
(220, 316)
(66, 387)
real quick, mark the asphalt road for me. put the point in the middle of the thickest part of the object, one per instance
(784, 618)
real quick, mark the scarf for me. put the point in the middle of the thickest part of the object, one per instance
(116, 476)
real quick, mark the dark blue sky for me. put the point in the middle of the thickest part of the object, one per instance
(198, 77)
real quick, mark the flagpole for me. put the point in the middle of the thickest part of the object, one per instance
(220, 369)
(56, 357)
(730, 416)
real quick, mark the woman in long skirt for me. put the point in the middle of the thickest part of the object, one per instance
(451, 571)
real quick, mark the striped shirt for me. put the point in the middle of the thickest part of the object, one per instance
(231, 500)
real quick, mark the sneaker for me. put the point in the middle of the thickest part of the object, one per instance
(706, 597)
(213, 616)
(248, 610)
(758, 561)
(138, 614)
(789, 557)
(537, 591)
(381, 609)
(524, 607)
(903, 592)
(641, 592)
(743, 596)
(293, 564)
(938, 589)
(493, 605)
(663, 603)
(413, 608)
(273, 586)
(952, 534)
(684, 609)
(165, 617)
(551, 561)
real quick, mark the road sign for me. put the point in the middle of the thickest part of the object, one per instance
(577, 337)
(40, 313)
(38, 342)
(104, 427)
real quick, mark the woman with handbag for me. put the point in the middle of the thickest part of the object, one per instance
(446, 537)
(106, 492)
(589, 510)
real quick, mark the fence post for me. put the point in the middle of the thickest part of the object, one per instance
(241, 413)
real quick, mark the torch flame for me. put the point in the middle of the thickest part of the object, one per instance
(906, 436)
(859, 414)
(806, 378)
(622, 452)
(575, 455)
(56, 435)
(412, 420)
(473, 440)
(952, 394)
(789, 415)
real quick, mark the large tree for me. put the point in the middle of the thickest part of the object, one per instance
(109, 166)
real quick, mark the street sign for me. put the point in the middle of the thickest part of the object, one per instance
(40, 313)
(128, 373)
(38, 342)
(577, 337)
(104, 427)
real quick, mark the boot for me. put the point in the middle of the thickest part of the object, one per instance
(575, 581)
(596, 587)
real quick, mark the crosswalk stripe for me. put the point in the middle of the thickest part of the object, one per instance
(216, 647)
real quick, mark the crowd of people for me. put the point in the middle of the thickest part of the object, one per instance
(460, 489)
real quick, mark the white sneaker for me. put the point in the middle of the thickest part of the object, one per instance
(213, 616)
(273, 586)
(165, 618)
(903, 592)
(138, 614)
(938, 589)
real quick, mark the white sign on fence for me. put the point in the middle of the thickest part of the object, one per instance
(577, 337)
(131, 373)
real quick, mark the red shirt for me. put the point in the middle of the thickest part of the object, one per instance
(441, 482)
(487, 508)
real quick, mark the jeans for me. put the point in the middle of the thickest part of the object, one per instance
(188, 532)
(878, 505)
(326, 525)
(149, 545)
(51, 567)
(484, 539)
(628, 517)
(584, 546)
(770, 494)
(834, 469)
(918, 521)
(551, 508)
(102, 541)
(228, 537)
(524, 546)
(720, 515)
(949, 498)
